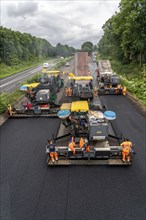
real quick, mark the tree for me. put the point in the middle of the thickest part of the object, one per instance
(124, 33)
(87, 47)
(16, 47)
(64, 50)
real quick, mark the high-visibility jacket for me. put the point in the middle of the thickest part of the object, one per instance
(72, 144)
(124, 90)
(9, 108)
(87, 148)
(126, 143)
(126, 146)
(66, 91)
(119, 86)
(82, 142)
(72, 147)
(69, 91)
(126, 150)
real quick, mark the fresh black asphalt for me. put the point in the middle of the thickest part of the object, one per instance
(32, 191)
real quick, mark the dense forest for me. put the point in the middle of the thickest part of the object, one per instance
(124, 37)
(16, 47)
(124, 44)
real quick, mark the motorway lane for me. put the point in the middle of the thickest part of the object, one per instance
(12, 83)
(23, 165)
(32, 191)
(129, 122)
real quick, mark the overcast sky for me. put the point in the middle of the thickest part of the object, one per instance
(67, 22)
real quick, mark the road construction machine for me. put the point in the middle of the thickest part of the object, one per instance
(107, 81)
(45, 90)
(82, 87)
(54, 78)
(40, 97)
(81, 81)
(90, 132)
(43, 93)
(27, 109)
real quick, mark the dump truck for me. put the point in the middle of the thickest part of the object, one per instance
(81, 82)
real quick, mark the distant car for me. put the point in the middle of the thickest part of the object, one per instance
(45, 65)
(67, 64)
(62, 58)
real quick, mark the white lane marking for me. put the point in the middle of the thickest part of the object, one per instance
(17, 75)
(18, 78)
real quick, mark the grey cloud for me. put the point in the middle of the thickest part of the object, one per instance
(61, 30)
(65, 22)
(22, 9)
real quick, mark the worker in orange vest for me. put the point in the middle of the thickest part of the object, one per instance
(124, 90)
(9, 110)
(72, 145)
(81, 142)
(126, 149)
(69, 91)
(119, 86)
(52, 151)
(66, 91)
(87, 147)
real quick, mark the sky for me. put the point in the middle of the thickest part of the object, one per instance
(67, 22)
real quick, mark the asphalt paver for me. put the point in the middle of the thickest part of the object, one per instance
(30, 190)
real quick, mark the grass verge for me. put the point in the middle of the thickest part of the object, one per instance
(11, 70)
(7, 98)
(134, 78)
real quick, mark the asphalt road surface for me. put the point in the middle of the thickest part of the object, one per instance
(32, 191)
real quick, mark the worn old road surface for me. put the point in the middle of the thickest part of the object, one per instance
(32, 191)
(11, 83)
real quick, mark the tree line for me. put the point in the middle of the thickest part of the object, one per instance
(124, 37)
(16, 47)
